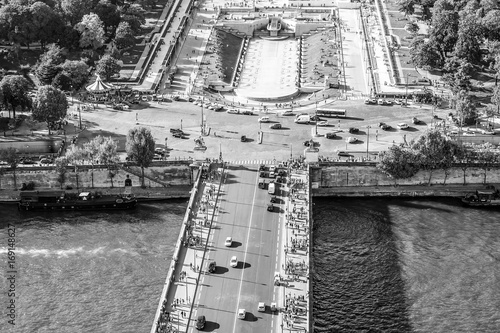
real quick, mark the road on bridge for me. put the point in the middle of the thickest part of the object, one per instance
(256, 237)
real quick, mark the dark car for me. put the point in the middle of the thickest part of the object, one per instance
(343, 153)
(275, 126)
(330, 135)
(200, 322)
(316, 118)
(211, 267)
(262, 183)
(274, 199)
(353, 130)
(308, 143)
(175, 130)
(248, 113)
(243, 138)
(270, 207)
(385, 127)
(178, 134)
(262, 167)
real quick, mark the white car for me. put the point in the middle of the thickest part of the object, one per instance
(351, 139)
(261, 307)
(489, 132)
(234, 261)
(403, 126)
(242, 314)
(234, 111)
(229, 242)
(287, 113)
(323, 123)
(264, 120)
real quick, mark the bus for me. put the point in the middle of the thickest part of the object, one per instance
(332, 113)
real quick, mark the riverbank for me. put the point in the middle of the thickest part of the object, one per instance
(142, 194)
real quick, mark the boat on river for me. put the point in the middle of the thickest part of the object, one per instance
(61, 200)
(483, 197)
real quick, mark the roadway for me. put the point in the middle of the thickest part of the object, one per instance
(256, 237)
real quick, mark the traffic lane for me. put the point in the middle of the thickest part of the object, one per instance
(257, 285)
(219, 297)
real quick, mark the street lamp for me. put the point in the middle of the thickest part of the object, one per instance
(367, 140)
(80, 115)
(406, 90)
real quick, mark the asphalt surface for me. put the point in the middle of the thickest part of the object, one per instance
(242, 215)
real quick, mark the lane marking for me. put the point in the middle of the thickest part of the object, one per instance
(246, 249)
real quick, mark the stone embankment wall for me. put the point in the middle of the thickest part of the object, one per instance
(167, 174)
(352, 174)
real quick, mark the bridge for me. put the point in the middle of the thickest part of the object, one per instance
(269, 248)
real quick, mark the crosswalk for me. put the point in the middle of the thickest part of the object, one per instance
(253, 162)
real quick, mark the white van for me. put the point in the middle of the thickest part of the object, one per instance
(303, 119)
(272, 188)
(264, 120)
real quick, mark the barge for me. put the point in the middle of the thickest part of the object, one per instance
(488, 197)
(60, 200)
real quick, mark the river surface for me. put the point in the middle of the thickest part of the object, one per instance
(394, 265)
(381, 265)
(83, 272)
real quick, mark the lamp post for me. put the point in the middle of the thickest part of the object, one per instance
(406, 90)
(367, 139)
(80, 115)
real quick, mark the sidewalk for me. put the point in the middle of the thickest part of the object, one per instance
(176, 312)
(294, 273)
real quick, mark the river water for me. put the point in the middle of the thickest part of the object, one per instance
(381, 265)
(89, 272)
(395, 265)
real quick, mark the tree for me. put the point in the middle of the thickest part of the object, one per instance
(465, 155)
(109, 15)
(62, 82)
(76, 156)
(466, 110)
(50, 105)
(77, 71)
(107, 154)
(15, 92)
(444, 27)
(134, 15)
(61, 169)
(15, 23)
(107, 67)
(486, 157)
(470, 34)
(124, 36)
(74, 10)
(140, 147)
(91, 29)
(412, 28)
(48, 65)
(425, 54)
(42, 17)
(398, 162)
(431, 151)
(11, 156)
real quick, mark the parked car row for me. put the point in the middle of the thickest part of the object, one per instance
(382, 101)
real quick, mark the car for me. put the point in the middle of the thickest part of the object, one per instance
(343, 153)
(323, 123)
(242, 314)
(211, 266)
(45, 161)
(157, 157)
(262, 167)
(273, 199)
(261, 307)
(264, 120)
(287, 113)
(381, 101)
(308, 143)
(176, 98)
(353, 130)
(275, 126)
(243, 138)
(330, 135)
(270, 207)
(234, 261)
(403, 126)
(273, 307)
(370, 101)
(386, 127)
(488, 132)
(233, 111)
(200, 322)
(416, 121)
(315, 118)
(27, 160)
(387, 102)
(248, 113)
(272, 168)
(174, 130)
(351, 139)
(228, 242)
(160, 151)
(218, 108)
(178, 134)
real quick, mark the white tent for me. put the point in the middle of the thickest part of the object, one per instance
(99, 86)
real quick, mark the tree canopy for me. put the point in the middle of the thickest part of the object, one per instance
(15, 92)
(107, 66)
(50, 105)
(140, 147)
